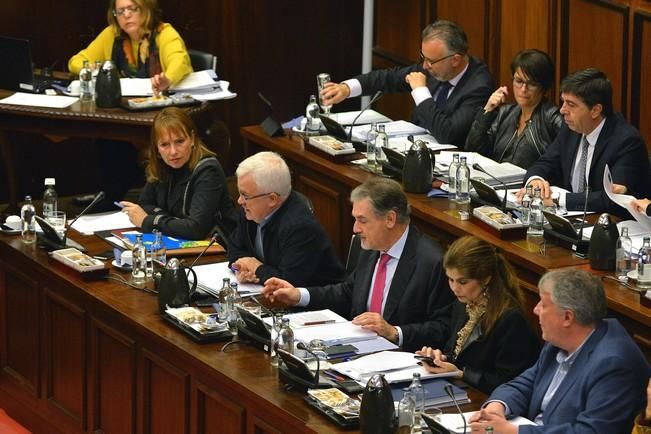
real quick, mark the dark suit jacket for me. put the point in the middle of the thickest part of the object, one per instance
(619, 146)
(602, 392)
(418, 299)
(295, 246)
(497, 357)
(450, 125)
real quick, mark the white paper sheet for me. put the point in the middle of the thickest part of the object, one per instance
(393, 129)
(200, 80)
(311, 318)
(38, 100)
(624, 200)
(454, 423)
(210, 279)
(334, 334)
(106, 221)
(368, 117)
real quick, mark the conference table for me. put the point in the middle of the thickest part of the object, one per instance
(83, 120)
(91, 355)
(328, 183)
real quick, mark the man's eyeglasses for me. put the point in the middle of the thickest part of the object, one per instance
(121, 11)
(247, 198)
(520, 83)
(431, 62)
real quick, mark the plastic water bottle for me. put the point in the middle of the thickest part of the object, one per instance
(526, 205)
(416, 387)
(232, 316)
(28, 222)
(406, 412)
(49, 198)
(85, 82)
(312, 117)
(158, 252)
(222, 313)
(371, 137)
(623, 255)
(452, 177)
(275, 332)
(536, 216)
(139, 267)
(286, 336)
(94, 74)
(463, 182)
(381, 142)
(644, 265)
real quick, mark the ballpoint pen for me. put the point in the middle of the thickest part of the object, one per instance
(325, 321)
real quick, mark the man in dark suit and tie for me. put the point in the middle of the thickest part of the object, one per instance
(448, 86)
(590, 376)
(592, 137)
(398, 288)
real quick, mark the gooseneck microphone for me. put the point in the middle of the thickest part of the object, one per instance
(302, 346)
(450, 392)
(476, 166)
(213, 240)
(99, 196)
(376, 97)
(582, 247)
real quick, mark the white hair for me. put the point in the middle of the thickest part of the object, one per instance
(269, 172)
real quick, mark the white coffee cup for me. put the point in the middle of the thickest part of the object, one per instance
(74, 88)
(13, 221)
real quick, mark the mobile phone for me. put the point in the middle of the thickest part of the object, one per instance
(427, 360)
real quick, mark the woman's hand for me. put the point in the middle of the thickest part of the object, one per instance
(496, 99)
(135, 213)
(440, 361)
(160, 83)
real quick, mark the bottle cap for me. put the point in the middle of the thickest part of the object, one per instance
(50, 181)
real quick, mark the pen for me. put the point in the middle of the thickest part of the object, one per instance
(326, 321)
(118, 204)
(333, 376)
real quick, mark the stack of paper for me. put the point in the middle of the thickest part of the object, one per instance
(368, 117)
(393, 129)
(107, 221)
(454, 423)
(506, 172)
(202, 85)
(210, 279)
(435, 394)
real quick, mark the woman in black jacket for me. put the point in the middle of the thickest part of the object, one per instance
(186, 194)
(518, 133)
(491, 340)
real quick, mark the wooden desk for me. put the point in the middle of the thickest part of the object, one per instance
(328, 185)
(82, 119)
(95, 357)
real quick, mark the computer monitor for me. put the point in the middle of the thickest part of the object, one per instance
(17, 72)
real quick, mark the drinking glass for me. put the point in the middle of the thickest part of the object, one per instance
(58, 221)
(321, 81)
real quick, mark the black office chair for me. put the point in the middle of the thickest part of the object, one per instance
(353, 253)
(201, 60)
(306, 200)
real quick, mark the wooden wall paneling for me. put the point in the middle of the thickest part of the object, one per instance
(584, 46)
(259, 426)
(65, 358)
(112, 403)
(473, 17)
(20, 338)
(214, 413)
(164, 387)
(641, 79)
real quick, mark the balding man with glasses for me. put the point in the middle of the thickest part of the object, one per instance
(448, 86)
(277, 234)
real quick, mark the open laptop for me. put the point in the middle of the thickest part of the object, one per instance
(17, 72)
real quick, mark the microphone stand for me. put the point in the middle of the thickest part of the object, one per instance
(582, 247)
(302, 346)
(96, 199)
(448, 390)
(213, 240)
(476, 166)
(376, 97)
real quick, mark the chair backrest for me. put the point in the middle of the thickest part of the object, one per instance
(201, 60)
(306, 200)
(353, 253)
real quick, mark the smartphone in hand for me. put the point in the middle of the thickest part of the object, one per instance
(427, 360)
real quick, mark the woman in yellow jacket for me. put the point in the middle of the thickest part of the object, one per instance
(643, 421)
(139, 43)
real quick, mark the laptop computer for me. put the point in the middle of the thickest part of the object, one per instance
(17, 72)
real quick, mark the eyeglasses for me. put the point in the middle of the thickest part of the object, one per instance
(247, 198)
(520, 83)
(431, 62)
(133, 9)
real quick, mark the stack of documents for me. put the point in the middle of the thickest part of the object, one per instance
(454, 423)
(393, 129)
(106, 221)
(202, 85)
(210, 280)
(506, 172)
(368, 117)
(397, 367)
(435, 394)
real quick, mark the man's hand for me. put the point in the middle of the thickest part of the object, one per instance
(245, 269)
(135, 213)
(641, 205)
(619, 189)
(496, 99)
(279, 290)
(492, 416)
(374, 321)
(416, 79)
(334, 93)
(545, 191)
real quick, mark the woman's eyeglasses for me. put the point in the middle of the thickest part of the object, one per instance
(130, 9)
(520, 83)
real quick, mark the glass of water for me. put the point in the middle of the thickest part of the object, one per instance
(321, 81)
(57, 219)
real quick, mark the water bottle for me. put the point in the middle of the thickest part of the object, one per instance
(381, 141)
(86, 82)
(452, 177)
(275, 331)
(417, 389)
(463, 182)
(526, 205)
(49, 198)
(232, 316)
(623, 255)
(222, 313)
(406, 412)
(94, 74)
(644, 265)
(312, 117)
(536, 216)
(28, 222)
(139, 267)
(371, 162)
(286, 336)
(158, 252)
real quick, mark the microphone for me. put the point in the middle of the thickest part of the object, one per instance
(302, 346)
(448, 390)
(476, 166)
(266, 101)
(99, 196)
(213, 240)
(581, 246)
(376, 97)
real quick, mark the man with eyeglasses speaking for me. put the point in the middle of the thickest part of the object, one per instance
(448, 86)
(277, 234)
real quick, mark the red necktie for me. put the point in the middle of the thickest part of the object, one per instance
(380, 282)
